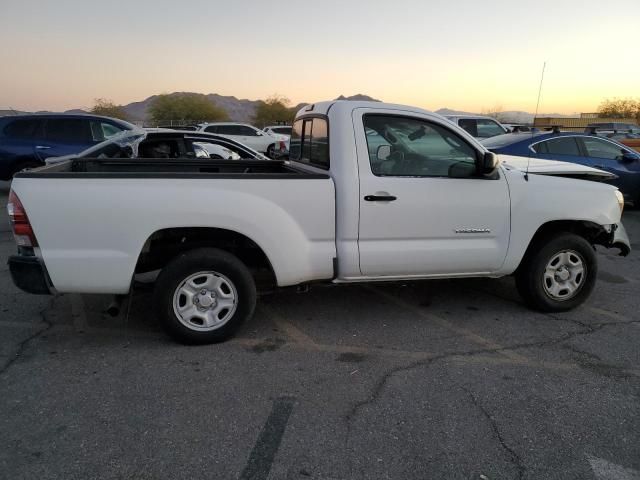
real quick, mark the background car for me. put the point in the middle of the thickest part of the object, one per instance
(590, 150)
(164, 143)
(478, 126)
(626, 133)
(247, 135)
(278, 130)
(517, 127)
(26, 141)
(282, 133)
(191, 128)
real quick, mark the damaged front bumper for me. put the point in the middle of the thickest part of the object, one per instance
(619, 239)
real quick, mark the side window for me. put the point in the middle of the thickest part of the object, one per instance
(69, 130)
(212, 129)
(101, 131)
(559, 146)
(417, 148)
(310, 142)
(320, 143)
(602, 149)
(295, 142)
(306, 143)
(229, 130)
(488, 128)
(470, 125)
(24, 129)
(109, 130)
(247, 131)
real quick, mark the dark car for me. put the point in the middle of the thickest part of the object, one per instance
(163, 143)
(590, 150)
(26, 141)
(626, 133)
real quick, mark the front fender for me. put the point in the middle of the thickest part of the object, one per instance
(545, 199)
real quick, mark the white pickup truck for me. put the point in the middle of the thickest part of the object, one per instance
(372, 192)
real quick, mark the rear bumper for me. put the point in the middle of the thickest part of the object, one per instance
(29, 274)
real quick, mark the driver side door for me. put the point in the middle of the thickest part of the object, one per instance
(423, 210)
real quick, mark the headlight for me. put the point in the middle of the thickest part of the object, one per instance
(620, 200)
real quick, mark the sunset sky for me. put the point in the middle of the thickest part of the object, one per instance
(461, 54)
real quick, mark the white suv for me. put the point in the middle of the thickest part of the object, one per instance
(247, 135)
(478, 126)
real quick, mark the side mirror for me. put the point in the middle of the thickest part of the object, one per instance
(383, 152)
(488, 163)
(259, 133)
(628, 157)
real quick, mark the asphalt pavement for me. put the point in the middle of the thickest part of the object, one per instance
(427, 380)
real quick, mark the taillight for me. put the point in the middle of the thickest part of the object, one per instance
(22, 231)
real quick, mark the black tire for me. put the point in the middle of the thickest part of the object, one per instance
(205, 261)
(534, 286)
(271, 149)
(24, 164)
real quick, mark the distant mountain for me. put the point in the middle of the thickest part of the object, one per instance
(509, 116)
(243, 110)
(9, 113)
(239, 110)
(448, 111)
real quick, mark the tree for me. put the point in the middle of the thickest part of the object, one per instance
(185, 108)
(620, 108)
(273, 110)
(107, 108)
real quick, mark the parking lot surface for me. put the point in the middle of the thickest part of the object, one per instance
(428, 380)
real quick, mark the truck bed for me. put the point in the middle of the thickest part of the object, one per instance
(92, 217)
(171, 168)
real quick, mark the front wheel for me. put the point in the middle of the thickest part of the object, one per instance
(271, 151)
(204, 295)
(558, 274)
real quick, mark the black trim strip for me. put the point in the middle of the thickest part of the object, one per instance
(189, 175)
(152, 168)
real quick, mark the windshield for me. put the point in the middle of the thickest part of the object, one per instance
(121, 145)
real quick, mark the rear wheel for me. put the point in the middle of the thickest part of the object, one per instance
(204, 295)
(558, 273)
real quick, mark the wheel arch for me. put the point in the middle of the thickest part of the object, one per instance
(165, 244)
(594, 233)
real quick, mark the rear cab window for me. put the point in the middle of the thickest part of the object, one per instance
(310, 142)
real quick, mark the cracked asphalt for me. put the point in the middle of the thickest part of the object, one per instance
(429, 380)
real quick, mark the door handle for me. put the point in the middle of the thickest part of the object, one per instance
(380, 198)
(42, 147)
